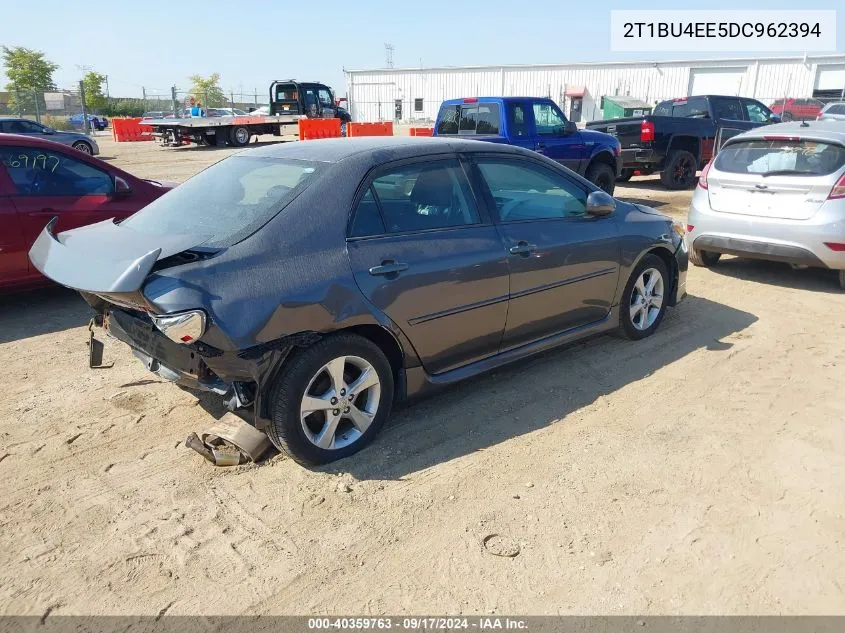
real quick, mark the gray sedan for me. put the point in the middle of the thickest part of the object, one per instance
(76, 140)
(314, 284)
(833, 112)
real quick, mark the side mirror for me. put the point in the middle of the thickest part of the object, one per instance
(121, 188)
(570, 128)
(775, 118)
(600, 203)
(49, 130)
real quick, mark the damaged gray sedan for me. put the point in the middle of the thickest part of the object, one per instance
(314, 284)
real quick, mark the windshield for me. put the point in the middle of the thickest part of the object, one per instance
(228, 201)
(781, 156)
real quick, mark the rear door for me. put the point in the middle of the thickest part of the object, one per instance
(552, 138)
(423, 252)
(775, 177)
(519, 123)
(14, 263)
(564, 265)
(51, 183)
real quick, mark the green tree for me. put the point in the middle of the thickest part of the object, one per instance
(207, 90)
(29, 74)
(95, 100)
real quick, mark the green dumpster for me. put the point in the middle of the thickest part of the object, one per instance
(615, 107)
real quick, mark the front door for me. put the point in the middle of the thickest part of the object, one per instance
(564, 264)
(423, 253)
(553, 140)
(50, 183)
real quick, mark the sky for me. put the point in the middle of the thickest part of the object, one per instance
(158, 45)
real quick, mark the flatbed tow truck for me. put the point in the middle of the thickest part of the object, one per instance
(289, 102)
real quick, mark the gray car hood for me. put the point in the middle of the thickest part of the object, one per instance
(103, 257)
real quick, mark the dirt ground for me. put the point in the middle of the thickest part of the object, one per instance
(698, 472)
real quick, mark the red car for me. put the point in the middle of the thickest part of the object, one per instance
(40, 180)
(797, 109)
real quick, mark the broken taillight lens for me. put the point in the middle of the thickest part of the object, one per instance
(184, 327)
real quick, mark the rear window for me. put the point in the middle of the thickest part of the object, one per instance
(836, 108)
(475, 118)
(228, 201)
(781, 156)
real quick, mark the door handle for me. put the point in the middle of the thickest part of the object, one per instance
(541, 146)
(35, 214)
(522, 248)
(388, 267)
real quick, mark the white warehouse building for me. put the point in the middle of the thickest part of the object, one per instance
(414, 94)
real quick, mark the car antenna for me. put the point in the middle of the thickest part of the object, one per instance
(804, 122)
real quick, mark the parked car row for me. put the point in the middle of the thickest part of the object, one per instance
(78, 141)
(532, 255)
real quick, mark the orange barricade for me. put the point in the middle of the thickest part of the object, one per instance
(421, 131)
(318, 128)
(130, 130)
(370, 129)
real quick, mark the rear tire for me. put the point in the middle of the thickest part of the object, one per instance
(705, 259)
(679, 172)
(787, 117)
(296, 433)
(239, 136)
(842, 279)
(641, 308)
(602, 176)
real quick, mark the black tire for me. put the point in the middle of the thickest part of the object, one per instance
(705, 259)
(627, 328)
(85, 148)
(787, 117)
(679, 172)
(209, 139)
(602, 176)
(239, 136)
(842, 279)
(286, 431)
(625, 176)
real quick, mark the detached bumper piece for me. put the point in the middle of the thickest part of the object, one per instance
(96, 347)
(758, 250)
(230, 442)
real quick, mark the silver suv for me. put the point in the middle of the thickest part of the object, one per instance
(833, 112)
(774, 193)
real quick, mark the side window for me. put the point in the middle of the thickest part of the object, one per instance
(421, 196)
(516, 120)
(448, 123)
(548, 120)
(325, 98)
(756, 112)
(698, 108)
(367, 220)
(23, 127)
(525, 191)
(36, 172)
(664, 108)
(727, 109)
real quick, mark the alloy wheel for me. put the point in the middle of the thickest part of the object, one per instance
(340, 402)
(647, 299)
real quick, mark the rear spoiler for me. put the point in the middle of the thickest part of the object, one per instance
(103, 257)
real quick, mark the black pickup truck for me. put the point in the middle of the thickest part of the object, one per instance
(679, 137)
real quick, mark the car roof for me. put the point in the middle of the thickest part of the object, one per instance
(463, 100)
(30, 141)
(824, 131)
(333, 150)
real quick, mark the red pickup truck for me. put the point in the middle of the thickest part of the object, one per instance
(40, 180)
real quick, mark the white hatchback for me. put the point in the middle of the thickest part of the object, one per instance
(775, 193)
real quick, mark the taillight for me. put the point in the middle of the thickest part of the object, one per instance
(647, 131)
(702, 180)
(185, 327)
(838, 190)
(471, 100)
(835, 246)
(690, 227)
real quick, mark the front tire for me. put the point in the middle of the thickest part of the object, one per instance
(842, 279)
(644, 300)
(705, 259)
(331, 399)
(787, 117)
(83, 147)
(625, 176)
(679, 172)
(602, 176)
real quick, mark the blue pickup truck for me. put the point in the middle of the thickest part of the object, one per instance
(537, 124)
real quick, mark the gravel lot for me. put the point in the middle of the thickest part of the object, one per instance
(698, 472)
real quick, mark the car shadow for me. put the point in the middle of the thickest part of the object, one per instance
(778, 274)
(535, 393)
(654, 204)
(651, 183)
(42, 311)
